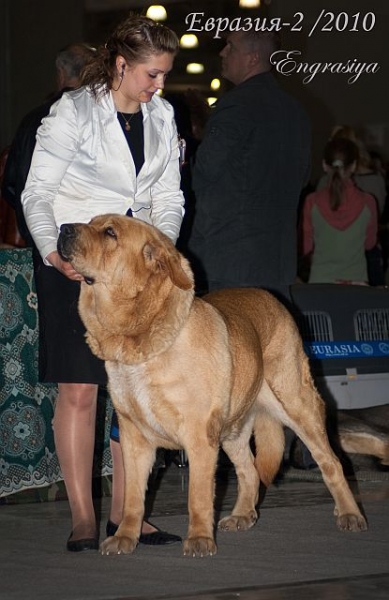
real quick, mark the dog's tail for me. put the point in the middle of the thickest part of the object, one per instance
(269, 446)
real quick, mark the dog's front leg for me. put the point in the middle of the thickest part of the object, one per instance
(138, 458)
(202, 466)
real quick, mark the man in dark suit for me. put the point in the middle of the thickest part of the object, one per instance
(250, 170)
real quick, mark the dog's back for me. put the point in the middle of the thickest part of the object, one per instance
(260, 327)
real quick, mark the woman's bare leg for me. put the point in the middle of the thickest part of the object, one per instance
(74, 434)
(118, 488)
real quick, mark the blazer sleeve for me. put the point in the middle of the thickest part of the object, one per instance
(56, 145)
(167, 199)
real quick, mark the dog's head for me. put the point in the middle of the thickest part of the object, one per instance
(101, 249)
(131, 272)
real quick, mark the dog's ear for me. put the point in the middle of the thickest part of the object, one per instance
(166, 258)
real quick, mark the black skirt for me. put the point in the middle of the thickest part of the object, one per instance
(64, 355)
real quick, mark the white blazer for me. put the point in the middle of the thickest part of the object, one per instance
(82, 167)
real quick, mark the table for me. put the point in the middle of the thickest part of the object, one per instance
(27, 452)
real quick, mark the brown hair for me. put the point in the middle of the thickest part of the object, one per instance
(137, 39)
(340, 154)
(349, 133)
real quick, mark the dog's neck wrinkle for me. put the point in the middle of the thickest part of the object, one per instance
(136, 347)
(108, 317)
(162, 334)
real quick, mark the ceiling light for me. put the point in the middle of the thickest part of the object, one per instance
(211, 100)
(194, 68)
(189, 40)
(215, 84)
(157, 12)
(249, 3)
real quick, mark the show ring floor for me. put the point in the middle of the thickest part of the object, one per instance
(294, 552)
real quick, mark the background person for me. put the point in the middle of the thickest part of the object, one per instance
(110, 146)
(69, 62)
(250, 169)
(339, 222)
(365, 176)
(367, 179)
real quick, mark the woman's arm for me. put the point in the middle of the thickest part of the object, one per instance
(167, 198)
(57, 143)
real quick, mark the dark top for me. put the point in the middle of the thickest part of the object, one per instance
(134, 136)
(250, 169)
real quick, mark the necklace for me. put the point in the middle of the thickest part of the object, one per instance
(127, 125)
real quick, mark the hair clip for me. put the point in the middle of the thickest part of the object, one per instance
(338, 163)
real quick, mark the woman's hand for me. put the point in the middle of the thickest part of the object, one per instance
(64, 267)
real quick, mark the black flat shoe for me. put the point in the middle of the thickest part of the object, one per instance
(81, 545)
(159, 538)
(156, 538)
(111, 528)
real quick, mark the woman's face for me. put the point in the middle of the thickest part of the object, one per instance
(140, 82)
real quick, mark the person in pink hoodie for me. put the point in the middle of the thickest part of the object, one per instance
(339, 223)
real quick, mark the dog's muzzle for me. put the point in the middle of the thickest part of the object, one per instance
(66, 239)
(66, 243)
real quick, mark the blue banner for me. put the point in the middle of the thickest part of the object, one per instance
(346, 349)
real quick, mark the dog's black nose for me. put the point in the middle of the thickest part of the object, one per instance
(68, 229)
(67, 237)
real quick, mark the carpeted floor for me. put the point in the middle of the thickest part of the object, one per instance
(294, 551)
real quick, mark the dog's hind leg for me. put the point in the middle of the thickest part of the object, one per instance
(244, 514)
(299, 406)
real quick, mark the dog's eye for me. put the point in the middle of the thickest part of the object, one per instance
(111, 232)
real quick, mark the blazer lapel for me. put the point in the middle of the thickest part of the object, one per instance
(118, 148)
(153, 125)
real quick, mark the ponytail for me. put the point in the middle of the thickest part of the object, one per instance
(340, 155)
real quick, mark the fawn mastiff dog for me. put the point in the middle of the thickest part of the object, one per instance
(197, 374)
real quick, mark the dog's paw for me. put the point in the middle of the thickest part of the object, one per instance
(199, 547)
(118, 545)
(351, 522)
(238, 523)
